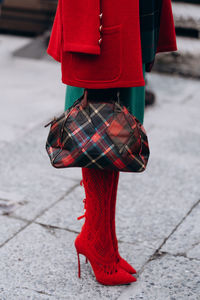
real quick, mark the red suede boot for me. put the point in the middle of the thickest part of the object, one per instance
(122, 262)
(95, 241)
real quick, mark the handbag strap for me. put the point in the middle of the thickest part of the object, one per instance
(84, 101)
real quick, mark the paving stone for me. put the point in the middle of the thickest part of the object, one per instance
(44, 260)
(10, 196)
(186, 237)
(32, 176)
(64, 214)
(172, 89)
(179, 149)
(177, 146)
(172, 112)
(34, 84)
(164, 125)
(168, 278)
(151, 206)
(9, 227)
(194, 252)
(24, 293)
(9, 202)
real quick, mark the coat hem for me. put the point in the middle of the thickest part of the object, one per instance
(54, 55)
(167, 48)
(104, 85)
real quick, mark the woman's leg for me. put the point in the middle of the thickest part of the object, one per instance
(95, 241)
(134, 99)
(71, 95)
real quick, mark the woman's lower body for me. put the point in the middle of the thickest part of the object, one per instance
(97, 239)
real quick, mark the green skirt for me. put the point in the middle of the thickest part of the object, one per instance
(132, 97)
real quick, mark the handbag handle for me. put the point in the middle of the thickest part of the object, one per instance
(84, 101)
(117, 106)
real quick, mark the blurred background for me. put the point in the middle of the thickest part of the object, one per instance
(158, 212)
(27, 17)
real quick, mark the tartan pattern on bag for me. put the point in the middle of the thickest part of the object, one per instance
(101, 135)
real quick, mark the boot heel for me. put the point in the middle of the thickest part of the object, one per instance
(79, 265)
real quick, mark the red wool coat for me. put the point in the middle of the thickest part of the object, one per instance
(98, 42)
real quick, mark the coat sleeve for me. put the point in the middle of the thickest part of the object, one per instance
(54, 47)
(80, 25)
(167, 34)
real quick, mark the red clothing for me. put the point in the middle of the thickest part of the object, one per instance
(114, 61)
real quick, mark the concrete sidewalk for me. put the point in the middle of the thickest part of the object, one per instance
(158, 211)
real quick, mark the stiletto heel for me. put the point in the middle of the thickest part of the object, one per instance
(79, 265)
(107, 273)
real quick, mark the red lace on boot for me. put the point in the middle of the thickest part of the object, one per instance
(95, 241)
(84, 201)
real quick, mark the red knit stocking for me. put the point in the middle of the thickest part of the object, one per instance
(95, 240)
(97, 185)
(122, 262)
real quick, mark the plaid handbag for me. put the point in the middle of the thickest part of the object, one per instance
(97, 134)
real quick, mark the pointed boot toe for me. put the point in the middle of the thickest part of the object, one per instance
(120, 277)
(126, 266)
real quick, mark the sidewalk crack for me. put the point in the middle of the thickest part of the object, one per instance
(29, 222)
(158, 253)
